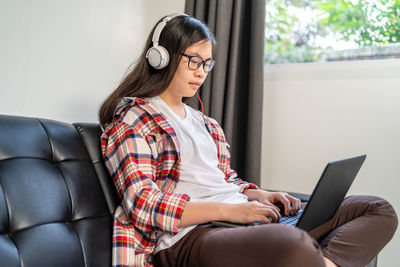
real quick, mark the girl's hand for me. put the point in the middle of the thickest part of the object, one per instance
(291, 205)
(253, 211)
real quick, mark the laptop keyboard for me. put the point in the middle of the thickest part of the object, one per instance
(291, 220)
(287, 220)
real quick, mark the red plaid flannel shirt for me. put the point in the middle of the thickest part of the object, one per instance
(141, 151)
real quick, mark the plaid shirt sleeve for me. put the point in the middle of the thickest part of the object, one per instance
(132, 165)
(224, 156)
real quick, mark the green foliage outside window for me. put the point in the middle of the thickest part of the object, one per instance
(303, 30)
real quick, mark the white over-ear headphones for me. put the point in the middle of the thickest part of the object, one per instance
(157, 55)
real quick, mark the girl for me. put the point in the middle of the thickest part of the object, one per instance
(170, 165)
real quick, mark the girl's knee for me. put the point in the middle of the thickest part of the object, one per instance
(387, 214)
(372, 205)
(380, 211)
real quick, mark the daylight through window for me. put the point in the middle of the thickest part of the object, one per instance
(331, 30)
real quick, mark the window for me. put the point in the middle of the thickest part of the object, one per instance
(331, 30)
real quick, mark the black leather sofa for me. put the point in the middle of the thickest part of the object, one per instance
(56, 196)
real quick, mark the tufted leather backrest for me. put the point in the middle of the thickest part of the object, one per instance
(54, 210)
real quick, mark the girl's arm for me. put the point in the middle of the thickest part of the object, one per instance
(128, 157)
(203, 212)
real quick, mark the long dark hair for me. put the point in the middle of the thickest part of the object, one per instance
(145, 81)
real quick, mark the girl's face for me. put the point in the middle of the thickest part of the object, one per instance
(186, 82)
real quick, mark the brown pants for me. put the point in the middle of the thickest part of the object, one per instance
(362, 226)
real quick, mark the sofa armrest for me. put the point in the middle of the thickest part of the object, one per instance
(91, 133)
(301, 196)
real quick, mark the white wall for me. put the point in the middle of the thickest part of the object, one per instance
(60, 59)
(315, 113)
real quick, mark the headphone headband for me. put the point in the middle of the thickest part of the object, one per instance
(161, 25)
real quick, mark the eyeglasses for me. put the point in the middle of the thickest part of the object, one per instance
(195, 62)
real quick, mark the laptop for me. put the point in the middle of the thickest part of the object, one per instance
(326, 198)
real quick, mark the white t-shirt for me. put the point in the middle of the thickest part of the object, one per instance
(200, 177)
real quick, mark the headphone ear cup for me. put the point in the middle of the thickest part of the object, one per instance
(158, 57)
